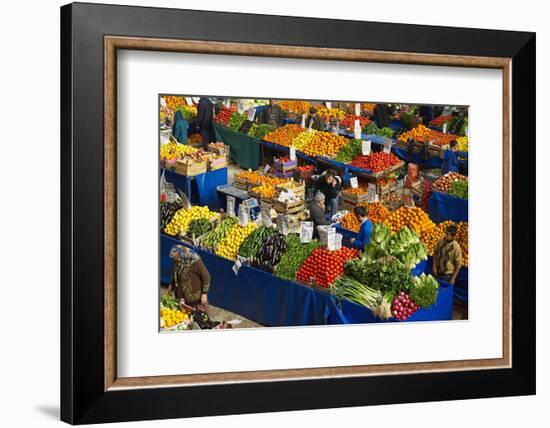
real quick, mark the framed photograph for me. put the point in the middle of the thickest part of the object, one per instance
(266, 213)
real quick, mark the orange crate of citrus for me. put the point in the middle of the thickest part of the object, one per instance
(413, 217)
(324, 144)
(283, 136)
(295, 106)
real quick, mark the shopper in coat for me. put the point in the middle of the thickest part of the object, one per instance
(365, 228)
(317, 213)
(314, 120)
(330, 185)
(180, 127)
(272, 114)
(205, 116)
(190, 277)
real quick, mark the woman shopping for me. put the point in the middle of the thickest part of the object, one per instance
(180, 127)
(190, 277)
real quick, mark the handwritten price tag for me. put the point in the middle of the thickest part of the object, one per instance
(328, 104)
(357, 109)
(251, 114)
(387, 146)
(189, 101)
(354, 183)
(292, 153)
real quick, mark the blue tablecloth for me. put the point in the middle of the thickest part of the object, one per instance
(431, 162)
(238, 194)
(442, 206)
(268, 300)
(200, 188)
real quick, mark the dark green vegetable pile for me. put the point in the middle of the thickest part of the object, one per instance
(459, 189)
(254, 241)
(372, 129)
(270, 253)
(199, 227)
(236, 121)
(349, 151)
(294, 256)
(260, 131)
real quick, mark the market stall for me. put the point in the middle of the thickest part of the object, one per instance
(264, 261)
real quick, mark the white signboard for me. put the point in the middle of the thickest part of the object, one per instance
(292, 153)
(251, 114)
(354, 183)
(357, 109)
(371, 192)
(243, 215)
(189, 101)
(328, 104)
(445, 128)
(230, 206)
(387, 146)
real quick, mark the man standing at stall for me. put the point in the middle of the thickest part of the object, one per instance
(205, 116)
(317, 213)
(272, 114)
(447, 256)
(314, 120)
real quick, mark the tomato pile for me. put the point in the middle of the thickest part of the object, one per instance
(349, 121)
(322, 267)
(224, 115)
(441, 119)
(375, 162)
(305, 168)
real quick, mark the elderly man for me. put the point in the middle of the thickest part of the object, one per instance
(317, 213)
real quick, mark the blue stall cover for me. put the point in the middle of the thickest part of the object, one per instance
(268, 300)
(202, 188)
(442, 206)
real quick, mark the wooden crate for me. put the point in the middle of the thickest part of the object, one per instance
(217, 162)
(299, 189)
(289, 207)
(354, 198)
(388, 171)
(285, 166)
(190, 168)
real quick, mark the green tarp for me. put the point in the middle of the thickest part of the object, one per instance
(245, 150)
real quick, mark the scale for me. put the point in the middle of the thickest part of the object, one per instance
(253, 208)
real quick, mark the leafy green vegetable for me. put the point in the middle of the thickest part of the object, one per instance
(349, 151)
(169, 302)
(459, 189)
(236, 121)
(199, 227)
(350, 289)
(260, 131)
(385, 275)
(424, 290)
(372, 129)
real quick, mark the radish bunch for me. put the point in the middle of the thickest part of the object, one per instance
(403, 306)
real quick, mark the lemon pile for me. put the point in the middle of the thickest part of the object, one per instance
(180, 222)
(230, 245)
(303, 139)
(171, 317)
(462, 144)
(173, 150)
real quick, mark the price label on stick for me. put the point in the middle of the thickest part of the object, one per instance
(357, 130)
(251, 114)
(189, 101)
(266, 168)
(227, 103)
(196, 99)
(237, 265)
(445, 128)
(303, 121)
(387, 146)
(354, 183)
(292, 153)
(365, 147)
(357, 109)
(163, 101)
(306, 231)
(265, 214)
(328, 104)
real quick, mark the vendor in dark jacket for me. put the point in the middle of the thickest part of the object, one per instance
(450, 160)
(382, 115)
(330, 185)
(314, 120)
(205, 115)
(317, 212)
(272, 114)
(365, 228)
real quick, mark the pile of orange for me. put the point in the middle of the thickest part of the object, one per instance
(324, 144)
(377, 213)
(415, 133)
(173, 102)
(414, 218)
(329, 113)
(423, 134)
(266, 191)
(295, 106)
(283, 136)
(361, 190)
(256, 178)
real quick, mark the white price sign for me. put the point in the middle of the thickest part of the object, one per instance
(357, 130)
(227, 102)
(354, 183)
(196, 99)
(357, 109)
(189, 101)
(230, 206)
(251, 114)
(292, 153)
(387, 146)
(365, 147)
(266, 168)
(303, 121)
(237, 265)
(445, 128)
(163, 101)
(328, 104)
(243, 215)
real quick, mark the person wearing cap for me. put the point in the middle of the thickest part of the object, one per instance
(317, 213)
(190, 277)
(365, 228)
(330, 185)
(447, 256)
